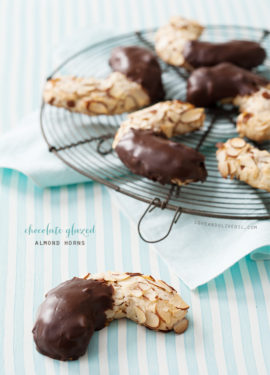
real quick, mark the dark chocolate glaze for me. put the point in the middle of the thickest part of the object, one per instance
(153, 156)
(206, 86)
(243, 53)
(69, 316)
(139, 65)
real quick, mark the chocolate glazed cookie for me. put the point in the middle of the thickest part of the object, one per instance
(243, 53)
(142, 143)
(139, 65)
(72, 311)
(134, 83)
(206, 86)
(177, 44)
(154, 156)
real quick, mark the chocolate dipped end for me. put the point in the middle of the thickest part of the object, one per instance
(153, 156)
(243, 53)
(206, 86)
(69, 316)
(139, 65)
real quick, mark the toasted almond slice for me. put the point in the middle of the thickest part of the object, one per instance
(152, 320)
(192, 115)
(164, 286)
(238, 142)
(99, 108)
(181, 326)
(179, 302)
(179, 314)
(148, 277)
(116, 276)
(141, 318)
(163, 311)
(130, 103)
(143, 286)
(136, 292)
(224, 169)
(150, 294)
(233, 152)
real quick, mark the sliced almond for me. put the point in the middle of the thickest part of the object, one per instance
(224, 169)
(116, 276)
(143, 286)
(177, 301)
(136, 292)
(238, 142)
(148, 277)
(192, 115)
(96, 107)
(163, 311)
(141, 318)
(233, 152)
(150, 294)
(152, 320)
(179, 314)
(181, 326)
(167, 287)
(130, 103)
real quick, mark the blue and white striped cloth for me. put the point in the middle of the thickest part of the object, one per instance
(229, 329)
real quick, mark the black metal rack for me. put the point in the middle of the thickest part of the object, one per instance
(84, 143)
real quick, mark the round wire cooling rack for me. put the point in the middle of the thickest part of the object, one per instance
(84, 142)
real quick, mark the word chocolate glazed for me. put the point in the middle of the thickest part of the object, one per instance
(139, 65)
(76, 308)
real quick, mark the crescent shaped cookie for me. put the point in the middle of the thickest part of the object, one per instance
(142, 143)
(73, 310)
(177, 44)
(113, 95)
(249, 91)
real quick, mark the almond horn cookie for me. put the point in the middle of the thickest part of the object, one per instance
(142, 143)
(209, 85)
(238, 159)
(113, 95)
(170, 39)
(177, 45)
(76, 308)
(249, 91)
(254, 121)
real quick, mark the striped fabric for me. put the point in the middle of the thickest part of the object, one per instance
(229, 329)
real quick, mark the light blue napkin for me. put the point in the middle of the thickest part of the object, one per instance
(198, 249)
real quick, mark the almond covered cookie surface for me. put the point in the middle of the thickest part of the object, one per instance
(254, 120)
(91, 96)
(238, 159)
